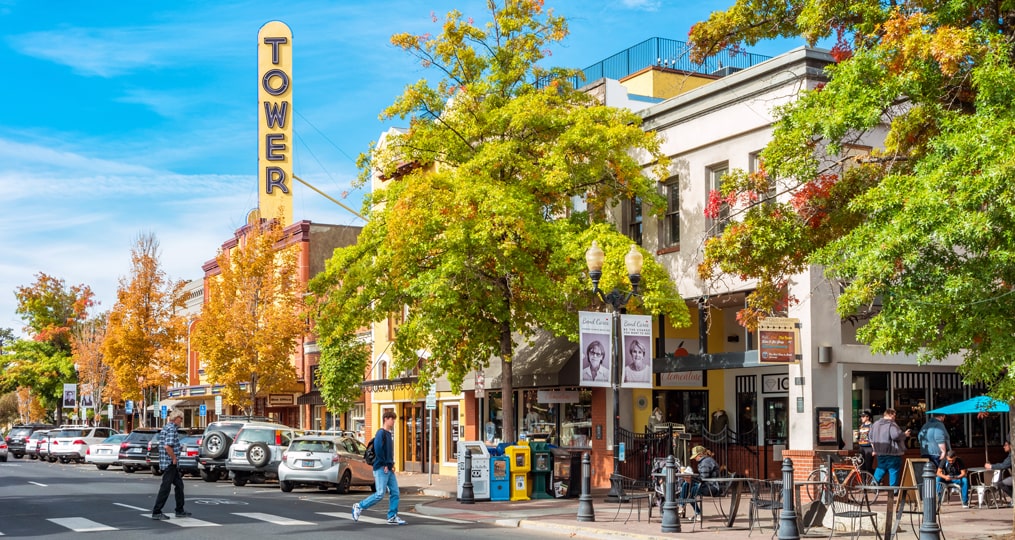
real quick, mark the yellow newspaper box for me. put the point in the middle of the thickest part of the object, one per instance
(521, 464)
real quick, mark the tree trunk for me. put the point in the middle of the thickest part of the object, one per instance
(506, 384)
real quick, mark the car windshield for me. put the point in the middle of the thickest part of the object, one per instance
(190, 440)
(254, 435)
(312, 446)
(114, 438)
(20, 432)
(74, 433)
(228, 429)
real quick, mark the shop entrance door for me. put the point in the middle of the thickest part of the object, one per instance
(412, 439)
(776, 420)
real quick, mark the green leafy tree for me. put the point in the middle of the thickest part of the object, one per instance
(923, 224)
(145, 331)
(473, 237)
(254, 316)
(342, 366)
(39, 369)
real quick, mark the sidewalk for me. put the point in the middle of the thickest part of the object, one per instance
(560, 515)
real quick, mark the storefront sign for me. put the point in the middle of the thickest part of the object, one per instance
(280, 399)
(682, 379)
(557, 396)
(275, 128)
(779, 340)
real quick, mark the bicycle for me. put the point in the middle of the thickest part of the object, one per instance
(846, 474)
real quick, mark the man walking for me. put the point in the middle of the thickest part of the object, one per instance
(1005, 485)
(934, 440)
(889, 444)
(169, 456)
(384, 473)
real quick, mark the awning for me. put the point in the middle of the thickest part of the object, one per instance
(535, 364)
(703, 362)
(168, 404)
(310, 398)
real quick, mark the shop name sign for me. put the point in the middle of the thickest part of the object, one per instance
(275, 129)
(779, 340)
(557, 396)
(682, 378)
(280, 399)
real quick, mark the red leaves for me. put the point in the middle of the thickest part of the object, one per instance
(811, 200)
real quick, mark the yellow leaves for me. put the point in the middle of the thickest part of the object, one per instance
(915, 37)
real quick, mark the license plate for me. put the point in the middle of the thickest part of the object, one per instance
(134, 450)
(103, 452)
(308, 463)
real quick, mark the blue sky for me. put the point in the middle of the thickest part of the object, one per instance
(123, 118)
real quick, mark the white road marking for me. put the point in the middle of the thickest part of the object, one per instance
(38, 484)
(277, 520)
(129, 506)
(79, 524)
(439, 518)
(363, 518)
(185, 522)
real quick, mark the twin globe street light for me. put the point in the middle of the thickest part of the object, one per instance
(617, 300)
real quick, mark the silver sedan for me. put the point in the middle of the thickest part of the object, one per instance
(325, 461)
(105, 453)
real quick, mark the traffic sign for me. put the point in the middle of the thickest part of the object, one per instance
(164, 411)
(129, 408)
(431, 399)
(202, 411)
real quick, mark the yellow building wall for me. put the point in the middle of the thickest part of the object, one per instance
(663, 83)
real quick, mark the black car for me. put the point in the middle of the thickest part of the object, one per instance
(152, 454)
(191, 448)
(218, 437)
(17, 436)
(134, 449)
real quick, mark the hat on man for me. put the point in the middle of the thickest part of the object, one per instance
(865, 413)
(697, 451)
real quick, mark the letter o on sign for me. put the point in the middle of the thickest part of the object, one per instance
(283, 82)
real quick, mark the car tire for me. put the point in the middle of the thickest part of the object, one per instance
(51, 459)
(18, 456)
(209, 476)
(259, 455)
(344, 483)
(286, 486)
(128, 469)
(156, 471)
(215, 445)
(64, 460)
(3, 459)
(239, 481)
(101, 466)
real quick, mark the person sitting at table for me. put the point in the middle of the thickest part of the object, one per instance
(953, 471)
(707, 468)
(1005, 484)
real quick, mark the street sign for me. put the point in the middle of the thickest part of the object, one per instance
(622, 454)
(129, 408)
(109, 410)
(218, 405)
(164, 411)
(431, 400)
(202, 411)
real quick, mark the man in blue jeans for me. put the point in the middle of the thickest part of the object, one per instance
(889, 444)
(384, 473)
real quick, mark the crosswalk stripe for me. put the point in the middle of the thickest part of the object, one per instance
(186, 522)
(439, 518)
(364, 518)
(79, 524)
(277, 520)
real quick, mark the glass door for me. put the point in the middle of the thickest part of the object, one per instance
(776, 420)
(412, 437)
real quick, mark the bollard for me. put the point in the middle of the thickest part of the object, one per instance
(671, 521)
(585, 510)
(468, 494)
(787, 517)
(929, 529)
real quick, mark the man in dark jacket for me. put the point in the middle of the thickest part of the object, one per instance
(1005, 484)
(889, 443)
(384, 473)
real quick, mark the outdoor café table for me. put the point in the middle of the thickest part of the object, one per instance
(735, 490)
(797, 486)
(978, 486)
(890, 529)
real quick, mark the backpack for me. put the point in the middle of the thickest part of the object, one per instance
(369, 456)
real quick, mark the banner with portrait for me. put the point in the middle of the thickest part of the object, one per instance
(636, 341)
(70, 395)
(595, 331)
(86, 396)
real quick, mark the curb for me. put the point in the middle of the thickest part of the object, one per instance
(576, 530)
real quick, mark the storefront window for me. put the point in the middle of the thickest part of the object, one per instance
(451, 433)
(540, 419)
(576, 422)
(493, 422)
(688, 407)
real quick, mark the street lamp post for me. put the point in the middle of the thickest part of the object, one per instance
(616, 300)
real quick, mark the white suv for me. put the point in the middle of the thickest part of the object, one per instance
(257, 450)
(70, 443)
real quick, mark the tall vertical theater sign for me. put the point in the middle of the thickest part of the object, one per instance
(274, 115)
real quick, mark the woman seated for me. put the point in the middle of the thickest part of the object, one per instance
(707, 468)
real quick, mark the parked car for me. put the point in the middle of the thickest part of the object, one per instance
(134, 449)
(325, 461)
(32, 443)
(152, 454)
(42, 449)
(257, 450)
(3, 451)
(17, 436)
(70, 443)
(105, 453)
(218, 437)
(189, 450)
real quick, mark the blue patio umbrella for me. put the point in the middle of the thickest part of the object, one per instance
(975, 405)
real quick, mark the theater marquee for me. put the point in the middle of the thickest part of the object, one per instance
(274, 115)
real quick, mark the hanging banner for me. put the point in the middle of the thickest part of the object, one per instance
(70, 396)
(86, 396)
(596, 342)
(636, 340)
(779, 340)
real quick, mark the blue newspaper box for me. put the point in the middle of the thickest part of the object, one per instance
(500, 478)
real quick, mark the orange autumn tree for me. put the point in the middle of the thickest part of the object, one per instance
(144, 343)
(253, 316)
(93, 371)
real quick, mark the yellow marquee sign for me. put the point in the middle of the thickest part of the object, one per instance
(274, 116)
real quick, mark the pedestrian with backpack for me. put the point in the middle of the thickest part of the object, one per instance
(384, 472)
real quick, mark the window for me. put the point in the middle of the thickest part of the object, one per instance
(671, 221)
(451, 433)
(756, 165)
(634, 221)
(715, 176)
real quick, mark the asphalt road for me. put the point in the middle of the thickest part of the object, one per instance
(65, 501)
